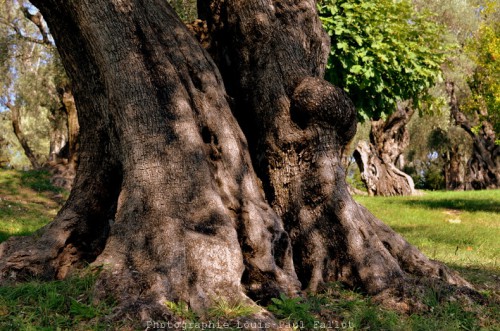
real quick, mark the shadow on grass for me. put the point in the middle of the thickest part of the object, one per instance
(483, 277)
(471, 205)
(9, 185)
(434, 236)
(38, 180)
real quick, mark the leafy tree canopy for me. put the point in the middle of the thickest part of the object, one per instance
(31, 72)
(484, 50)
(382, 51)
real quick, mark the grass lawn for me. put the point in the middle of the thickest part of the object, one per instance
(461, 229)
(27, 202)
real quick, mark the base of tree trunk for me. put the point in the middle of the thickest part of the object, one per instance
(380, 177)
(166, 201)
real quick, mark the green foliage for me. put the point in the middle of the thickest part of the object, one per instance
(223, 308)
(296, 310)
(186, 9)
(54, 305)
(382, 51)
(353, 177)
(28, 201)
(181, 309)
(31, 73)
(460, 228)
(433, 138)
(484, 83)
(433, 178)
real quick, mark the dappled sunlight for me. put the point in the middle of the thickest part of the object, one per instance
(27, 202)
(458, 228)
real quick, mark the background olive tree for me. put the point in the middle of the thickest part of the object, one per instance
(385, 55)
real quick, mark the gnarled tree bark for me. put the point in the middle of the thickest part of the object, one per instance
(272, 55)
(454, 174)
(63, 158)
(166, 198)
(3, 148)
(377, 159)
(483, 167)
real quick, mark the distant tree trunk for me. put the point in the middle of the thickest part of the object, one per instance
(68, 102)
(4, 160)
(166, 199)
(21, 137)
(64, 140)
(58, 134)
(453, 169)
(377, 159)
(483, 167)
(65, 128)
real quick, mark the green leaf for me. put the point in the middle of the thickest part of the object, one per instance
(356, 69)
(342, 45)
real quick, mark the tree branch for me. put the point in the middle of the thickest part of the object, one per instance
(16, 125)
(459, 117)
(37, 19)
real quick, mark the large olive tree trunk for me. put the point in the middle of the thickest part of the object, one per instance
(166, 199)
(483, 167)
(377, 159)
(272, 55)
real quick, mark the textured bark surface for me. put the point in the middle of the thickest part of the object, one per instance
(179, 206)
(166, 199)
(4, 159)
(68, 101)
(63, 158)
(483, 168)
(377, 159)
(454, 174)
(272, 55)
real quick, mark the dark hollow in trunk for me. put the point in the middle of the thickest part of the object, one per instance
(377, 159)
(166, 199)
